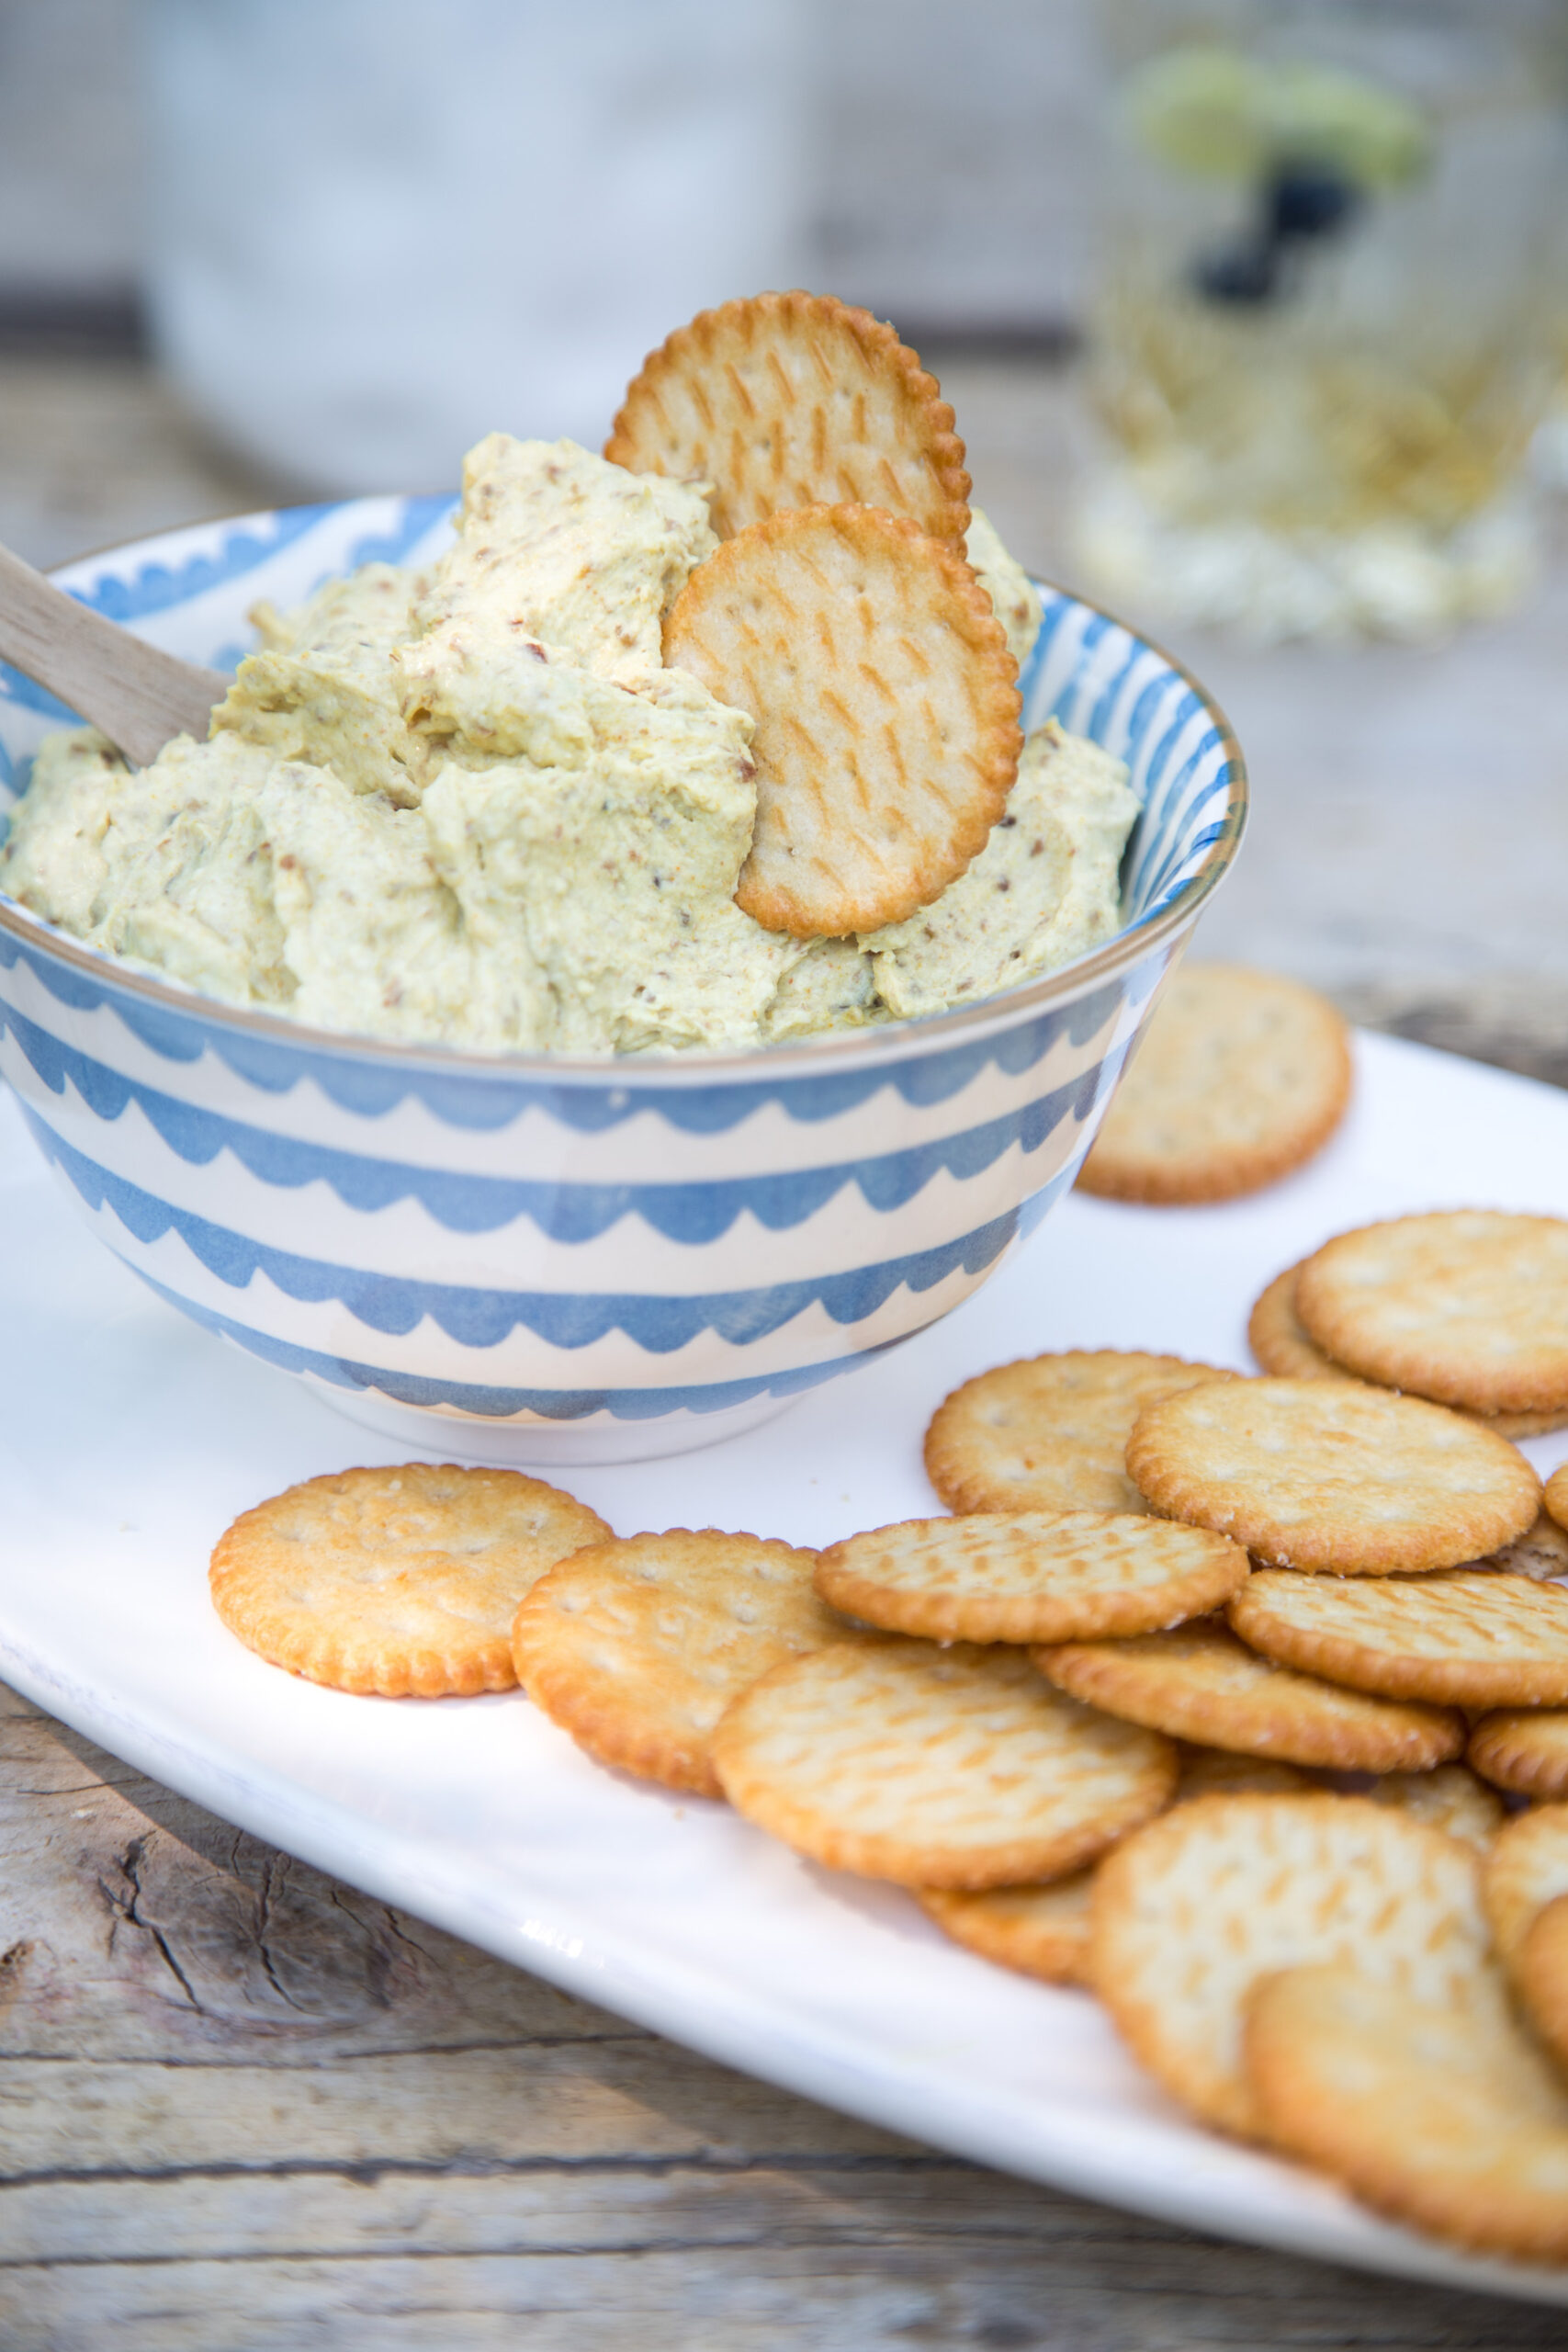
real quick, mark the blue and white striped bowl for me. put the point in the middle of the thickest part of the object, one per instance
(532, 1258)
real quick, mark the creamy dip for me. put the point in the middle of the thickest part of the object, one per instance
(471, 807)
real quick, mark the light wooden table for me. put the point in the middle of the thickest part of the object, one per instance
(245, 2109)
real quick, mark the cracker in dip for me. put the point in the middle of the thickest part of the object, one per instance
(473, 807)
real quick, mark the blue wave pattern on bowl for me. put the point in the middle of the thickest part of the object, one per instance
(508, 1238)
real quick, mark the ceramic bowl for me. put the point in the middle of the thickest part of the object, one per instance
(532, 1258)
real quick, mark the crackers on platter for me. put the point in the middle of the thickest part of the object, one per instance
(1240, 1077)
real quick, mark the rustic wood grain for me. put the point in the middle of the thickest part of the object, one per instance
(243, 2108)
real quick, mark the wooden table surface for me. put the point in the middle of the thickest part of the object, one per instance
(245, 2108)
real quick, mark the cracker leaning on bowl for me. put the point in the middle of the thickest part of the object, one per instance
(1241, 1076)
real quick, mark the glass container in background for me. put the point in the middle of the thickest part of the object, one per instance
(382, 229)
(1329, 309)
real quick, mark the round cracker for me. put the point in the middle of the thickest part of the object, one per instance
(637, 1646)
(1044, 1930)
(1038, 1930)
(1439, 2115)
(1524, 1750)
(1468, 1637)
(1225, 1772)
(1281, 1344)
(886, 703)
(1199, 1683)
(1449, 1798)
(1278, 1339)
(1050, 1434)
(1031, 1576)
(1321, 1475)
(1192, 1911)
(1540, 1974)
(1240, 1076)
(795, 400)
(1556, 1497)
(932, 1767)
(1469, 1306)
(1541, 1552)
(1526, 1870)
(401, 1582)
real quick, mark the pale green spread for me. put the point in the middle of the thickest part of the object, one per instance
(473, 807)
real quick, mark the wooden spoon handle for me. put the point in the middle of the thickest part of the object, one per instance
(139, 697)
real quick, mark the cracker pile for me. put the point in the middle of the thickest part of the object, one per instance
(1201, 1700)
(840, 611)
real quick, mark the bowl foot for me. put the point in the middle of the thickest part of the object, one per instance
(531, 1440)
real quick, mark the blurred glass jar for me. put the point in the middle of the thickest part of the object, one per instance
(383, 228)
(1329, 309)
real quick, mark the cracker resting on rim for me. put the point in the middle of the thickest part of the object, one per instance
(935, 1767)
(1050, 1432)
(1326, 1475)
(1029, 1576)
(886, 703)
(399, 1582)
(1240, 1077)
(1198, 1682)
(795, 400)
(637, 1646)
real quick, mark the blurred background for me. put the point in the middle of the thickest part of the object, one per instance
(1252, 312)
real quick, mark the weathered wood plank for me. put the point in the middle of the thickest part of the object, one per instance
(897, 2295)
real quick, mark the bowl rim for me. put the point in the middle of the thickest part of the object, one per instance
(868, 1048)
